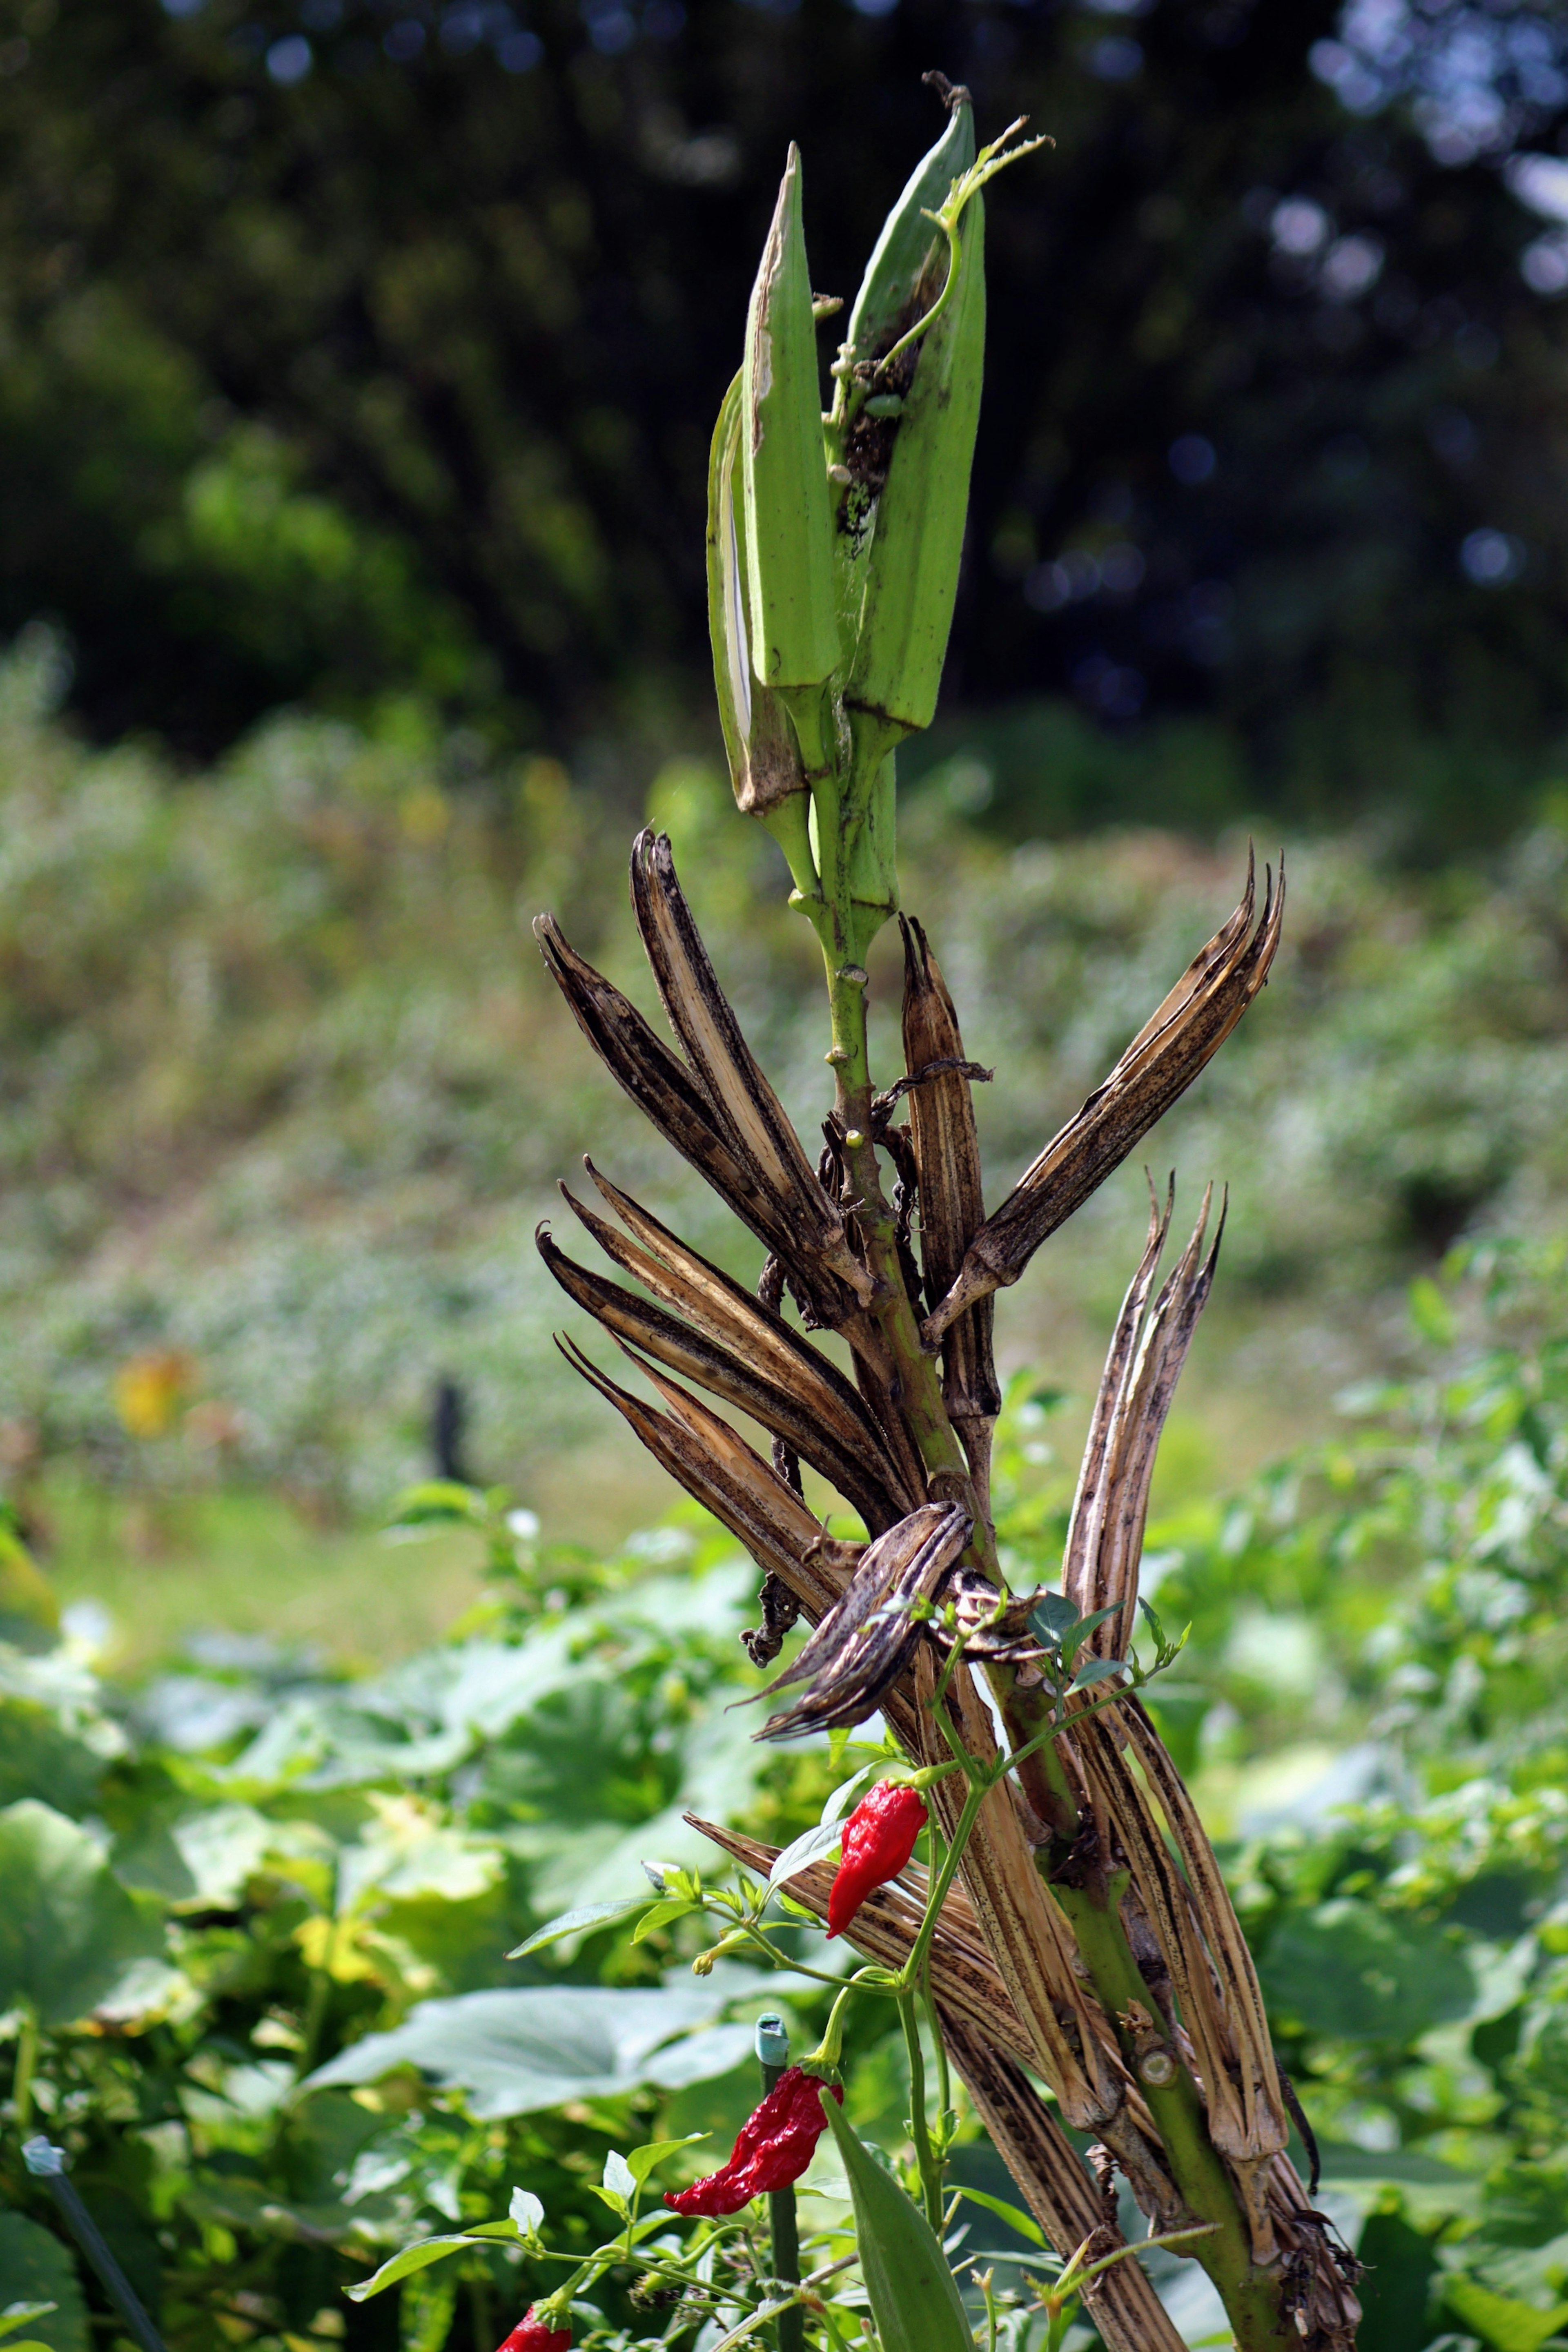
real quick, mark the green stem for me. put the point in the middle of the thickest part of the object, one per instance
(27, 2066)
(784, 2233)
(925, 2154)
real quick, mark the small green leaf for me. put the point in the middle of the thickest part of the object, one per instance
(1502, 2323)
(1013, 2215)
(526, 2213)
(414, 2258)
(1098, 1670)
(618, 2177)
(812, 1845)
(1051, 1616)
(437, 1502)
(1430, 1313)
(576, 1923)
(913, 2296)
(662, 1914)
(643, 2160)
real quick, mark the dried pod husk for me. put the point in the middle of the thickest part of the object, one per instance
(676, 1101)
(746, 1107)
(758, 1337)
(864, 1644)
(1148, 1348)
(1025, 1934)
(952, 1204)
(1180, 1037)
(721, 1472)
(859, 1471)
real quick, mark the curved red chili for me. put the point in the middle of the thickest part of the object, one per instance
(777, 2142)
(879, 1838)
(531, 2334)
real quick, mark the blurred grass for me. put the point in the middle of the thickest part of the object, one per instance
(284, 1091)
(166, 1565)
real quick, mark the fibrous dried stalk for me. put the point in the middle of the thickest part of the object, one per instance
(1010, 1980)
(1148, 1348)
(1179, 1037)
(952, 1204)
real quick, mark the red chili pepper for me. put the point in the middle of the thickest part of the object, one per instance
(879, 1838)
(777, 2142)
(531, 2334)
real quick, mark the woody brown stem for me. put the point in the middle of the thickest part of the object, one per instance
(1251, 2295)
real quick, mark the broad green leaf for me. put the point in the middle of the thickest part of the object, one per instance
(413, 2258)
(513, 2052)
(1348, 1969)
(1502, 2323)
(641, 2161)
(576, 1923)
(67, 1928)
(913, 2296)
(38, 2277)
(1013, 2215)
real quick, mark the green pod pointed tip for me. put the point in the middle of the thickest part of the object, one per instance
(910, 571)
(910, 240)
(788, 512)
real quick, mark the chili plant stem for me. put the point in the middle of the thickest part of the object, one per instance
(773, 2056)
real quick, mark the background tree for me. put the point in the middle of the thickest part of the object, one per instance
(356, 349)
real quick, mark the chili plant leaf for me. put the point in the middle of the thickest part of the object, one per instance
(913, 2296)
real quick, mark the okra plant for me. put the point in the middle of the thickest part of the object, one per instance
(1070, 1926)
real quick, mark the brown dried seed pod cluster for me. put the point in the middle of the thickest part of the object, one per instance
(1009, 1976)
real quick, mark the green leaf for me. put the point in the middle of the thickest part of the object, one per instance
(16, 2313)
(576, 1923)
(913, 2296)
(67, 1928)
(514, 2052)
(618, 2177)
(1430, 1313)
(662, 1914)
(437, 1502)
(1051, 1616)
(400, 2266)
(643, 2160)
(526, 2213)
(812, 1845)
(1498, 2320)
(1098, 1670)
(1013, 2215)
(40, 2280)
(1348, 1969)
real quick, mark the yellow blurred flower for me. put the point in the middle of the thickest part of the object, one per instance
(150, 1388)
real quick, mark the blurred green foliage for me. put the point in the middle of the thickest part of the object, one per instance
(285, 1090)
(293, 2045)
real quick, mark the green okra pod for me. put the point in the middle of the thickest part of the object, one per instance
(787, 517)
